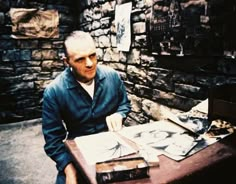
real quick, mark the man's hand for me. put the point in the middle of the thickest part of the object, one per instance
(114, 122)
(71, 174)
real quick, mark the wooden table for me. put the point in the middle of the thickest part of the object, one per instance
(214, 164)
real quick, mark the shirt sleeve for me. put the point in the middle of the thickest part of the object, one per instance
(54, 131)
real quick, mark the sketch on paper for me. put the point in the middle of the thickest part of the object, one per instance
(173, 140)
(219, 129)
(206, 132)
(122, 22)
(34, 23)
(102, 147)
(166, 137)
(193, 120)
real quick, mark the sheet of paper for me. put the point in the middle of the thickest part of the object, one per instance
(202, 106)
(218, 129)
(123, 26)
(164, 136)
(102, 147)
(194, 121)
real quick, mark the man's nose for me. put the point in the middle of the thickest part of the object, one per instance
(89, 63)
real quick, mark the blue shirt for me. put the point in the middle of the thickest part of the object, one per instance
(68, 108)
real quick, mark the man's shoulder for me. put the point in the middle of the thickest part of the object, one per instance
(56, 82)
(106, 70)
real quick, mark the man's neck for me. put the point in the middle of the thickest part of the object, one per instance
(87, 83)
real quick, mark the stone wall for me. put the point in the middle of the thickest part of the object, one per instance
(155, 83)
(28, 65)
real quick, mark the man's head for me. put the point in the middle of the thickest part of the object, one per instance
(81, 55)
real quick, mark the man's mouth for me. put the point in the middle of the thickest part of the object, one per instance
(90, 71)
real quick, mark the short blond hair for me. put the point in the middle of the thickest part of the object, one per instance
(77, 35)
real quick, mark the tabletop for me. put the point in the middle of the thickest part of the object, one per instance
(214, 163)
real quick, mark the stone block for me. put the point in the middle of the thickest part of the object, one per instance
(42, 54)
(11, 55)
(47, 65)
(37, 54)
(27, 63)
(96, 25)
(136, 75)
(21, 86)
(147, 60)
(139, 118)
(7, 44)
(139, 28)
(140, 41)
(152, 109)
(57, 44)
(6, 70)
(45, 44)
(29, 69)
(25, 103)
(99, 53)
(51, 64)
(143, 91)
(129, 86)
(105, 22)
(130, 122)
(97, 14)
(42, 84)
(123, 57)
(25, 54)
(136, 103)
(104, 41)
(111, 55)
(29, 77)
(28, 44)
(188, 77)
(55, 74)
(191, 91)
(138, 15)
(87, 16)
(108, 8)
(98, 32)
(44, 75)
(134, 57)
(117, 66)
(160, 78)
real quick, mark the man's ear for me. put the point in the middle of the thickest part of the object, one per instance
(63, 58)
(66, 60)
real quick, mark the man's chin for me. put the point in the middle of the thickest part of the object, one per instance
(88, 79)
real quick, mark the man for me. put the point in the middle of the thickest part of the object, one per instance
(85, 98)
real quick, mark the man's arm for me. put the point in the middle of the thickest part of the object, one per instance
(115, 121)
(54, 131)
(71, 174)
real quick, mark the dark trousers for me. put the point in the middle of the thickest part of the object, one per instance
(61, 178)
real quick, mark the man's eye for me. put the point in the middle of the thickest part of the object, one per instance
(80, 60)
(92, 56)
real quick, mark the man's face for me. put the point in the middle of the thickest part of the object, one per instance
(82, 59)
